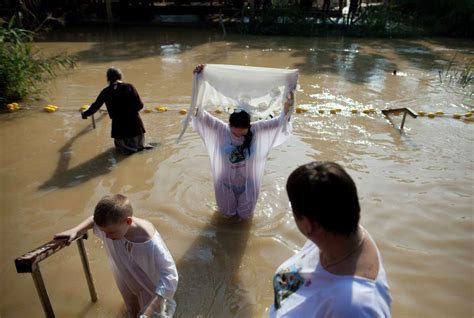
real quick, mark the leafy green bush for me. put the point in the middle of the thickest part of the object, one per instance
(22, 68)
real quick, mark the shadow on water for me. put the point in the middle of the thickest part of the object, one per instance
(65, 177)
(209, 283)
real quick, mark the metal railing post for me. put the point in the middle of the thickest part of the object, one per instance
(403, 120)
(405, 111)
(29, 263)
(42, 293)
(87, 270)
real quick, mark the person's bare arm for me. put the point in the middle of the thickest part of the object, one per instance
(197, 70)
(290, 100)
(76, 231)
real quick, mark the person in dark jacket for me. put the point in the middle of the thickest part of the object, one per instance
(123, 105)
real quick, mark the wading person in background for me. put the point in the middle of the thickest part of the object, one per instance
(339, 271)
(238, 151)
(123, 105)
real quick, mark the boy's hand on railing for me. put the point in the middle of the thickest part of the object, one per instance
(69, 235)
(79, 230)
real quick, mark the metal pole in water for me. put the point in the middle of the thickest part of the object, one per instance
(87, 270)
(43, 294)
(28, 263)
(403, 120)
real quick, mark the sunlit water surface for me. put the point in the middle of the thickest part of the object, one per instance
(416, 188)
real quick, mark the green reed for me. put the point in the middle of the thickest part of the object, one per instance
(22, 67)
(461, 74)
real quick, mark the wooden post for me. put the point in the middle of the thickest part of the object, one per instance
(341, 5)
(108, 8)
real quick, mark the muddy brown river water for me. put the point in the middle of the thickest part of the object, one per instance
(416, 187)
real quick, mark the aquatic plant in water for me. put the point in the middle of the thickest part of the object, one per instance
(22, 68)
(459, 74)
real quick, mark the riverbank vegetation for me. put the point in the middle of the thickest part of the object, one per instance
(377, 21)
(22, 67)
(396, 18)
(386, 18)
(458, 75)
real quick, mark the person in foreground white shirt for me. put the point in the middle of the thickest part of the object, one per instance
(339, 271)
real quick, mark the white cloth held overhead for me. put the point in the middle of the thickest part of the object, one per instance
(260, 91)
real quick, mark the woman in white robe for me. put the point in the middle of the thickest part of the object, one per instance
(237, 168)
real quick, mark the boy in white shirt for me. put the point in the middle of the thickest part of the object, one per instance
(143, 268)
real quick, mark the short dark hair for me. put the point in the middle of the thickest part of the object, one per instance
(112, 209)
(114, 74)
(326, 194)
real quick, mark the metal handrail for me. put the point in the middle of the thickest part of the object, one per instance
(405, 111)
(29, 263)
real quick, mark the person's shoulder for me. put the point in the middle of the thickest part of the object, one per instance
(123, 86)
(146, 230)
(357, 298)
(105, 89)
(127, 85)
(149, 226)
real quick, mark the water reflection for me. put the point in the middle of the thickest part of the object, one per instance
(209, 283)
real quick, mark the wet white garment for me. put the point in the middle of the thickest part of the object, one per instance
(260, 91)
(237, 175)
(303, 288)
(141, 270)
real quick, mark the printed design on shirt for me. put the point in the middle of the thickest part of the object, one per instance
(285, 283)
(238, 154)
(128, 246)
